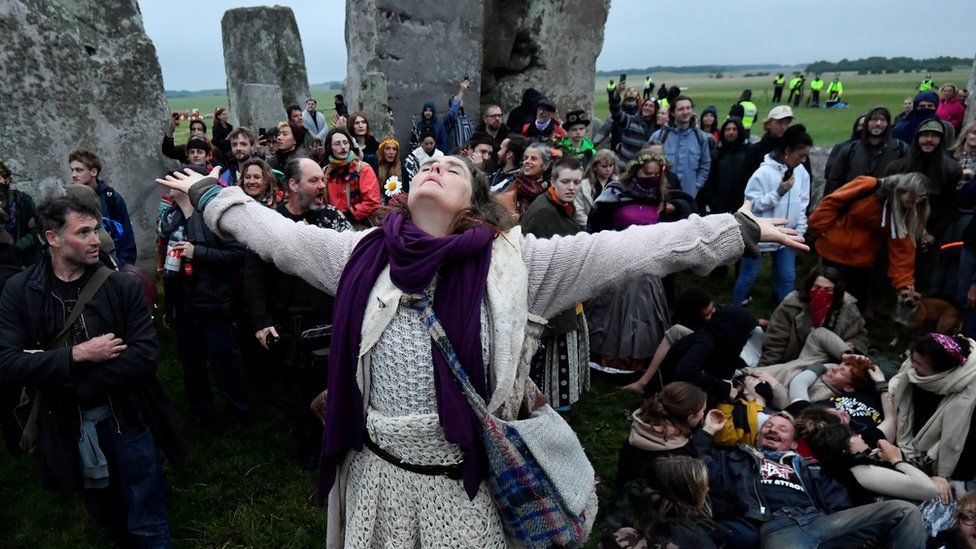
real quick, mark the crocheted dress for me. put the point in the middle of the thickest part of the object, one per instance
(388, 506)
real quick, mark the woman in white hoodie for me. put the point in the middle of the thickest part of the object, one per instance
(779, 188)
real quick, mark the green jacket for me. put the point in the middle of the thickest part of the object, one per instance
(545, 218)
(584, 154)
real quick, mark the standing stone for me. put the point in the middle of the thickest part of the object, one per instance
(259, 106)
(262, 46)
(424, 49)
(83, 74)
(971, 86)
(373, 100)
(549, 45)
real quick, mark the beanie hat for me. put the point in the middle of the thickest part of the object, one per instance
(928, 97)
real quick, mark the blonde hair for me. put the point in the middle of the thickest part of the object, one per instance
(910, 221)
(960, 143)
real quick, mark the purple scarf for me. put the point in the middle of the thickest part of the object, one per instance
(414, 258)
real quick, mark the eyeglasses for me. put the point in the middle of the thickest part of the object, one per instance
(968, 519)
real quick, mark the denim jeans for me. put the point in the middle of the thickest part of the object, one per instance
(132, 509)
(784, 275)
(899, 522)
(202, 339)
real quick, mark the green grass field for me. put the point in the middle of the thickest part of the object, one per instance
(826, 126)
(241, 488)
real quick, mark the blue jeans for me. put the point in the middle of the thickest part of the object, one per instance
(132, 509)
(899, 522)
(201, 339)
(784, 275)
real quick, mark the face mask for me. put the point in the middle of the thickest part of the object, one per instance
(820, 302)
(647, 184)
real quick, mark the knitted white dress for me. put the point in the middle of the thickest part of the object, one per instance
(388, 506)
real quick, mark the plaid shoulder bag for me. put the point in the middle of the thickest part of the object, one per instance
(539, 477)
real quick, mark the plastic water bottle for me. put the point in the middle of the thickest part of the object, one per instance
(174, 255)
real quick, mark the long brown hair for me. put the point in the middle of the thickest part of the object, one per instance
(674, 404)
(385, 169)
(484, 209)
(678, 491)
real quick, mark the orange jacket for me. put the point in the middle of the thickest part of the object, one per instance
(849, 231)
(363, 192)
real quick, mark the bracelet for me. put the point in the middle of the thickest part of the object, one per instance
(897, 463)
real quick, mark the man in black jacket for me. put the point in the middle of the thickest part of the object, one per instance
(206, 303)
(102, 414)
(284, 306)
(869, 154)
(772, 496)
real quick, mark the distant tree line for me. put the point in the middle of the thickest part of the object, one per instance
(882, 65)
(695, 69)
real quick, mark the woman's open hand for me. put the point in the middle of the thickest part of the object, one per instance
(771, 229)
(182, 181)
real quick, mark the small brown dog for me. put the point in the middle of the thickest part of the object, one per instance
(916, 315)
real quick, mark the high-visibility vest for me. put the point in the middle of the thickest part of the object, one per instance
(794, 82)
(926, 85)
(816, 85)
(779, 81)
(663, 104)
(648, 82)
(836, 86)
(749, 113)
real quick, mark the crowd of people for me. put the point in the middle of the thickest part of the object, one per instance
(347, 278)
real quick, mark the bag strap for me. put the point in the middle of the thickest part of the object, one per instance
(87, 293)
(423, 304)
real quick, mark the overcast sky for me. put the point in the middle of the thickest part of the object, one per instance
(639, 33)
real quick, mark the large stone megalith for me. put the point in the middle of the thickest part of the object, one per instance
(971, 86)
(83, 73)
(549, 45)
(262, 46)
(425, 48)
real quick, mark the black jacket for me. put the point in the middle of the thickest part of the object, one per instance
(709, 356)
(29, 321)
(725, 189)
(735, 491)
(273, 297)
(857, 157)
(217, 265)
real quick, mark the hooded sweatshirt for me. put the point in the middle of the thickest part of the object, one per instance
(440, 133)
(726, 186)
(906, 130)
(861, 157)
(525, 112)
(944, 175)
(709, 356)
(767, 200)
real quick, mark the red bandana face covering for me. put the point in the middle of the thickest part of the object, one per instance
(820, 302)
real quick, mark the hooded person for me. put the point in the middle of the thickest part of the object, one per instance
(927, 156)
(869, 153)
(726, 186)
(923, 108)
(428, 119)
(711, 128)
(710, 356)
(525, 112)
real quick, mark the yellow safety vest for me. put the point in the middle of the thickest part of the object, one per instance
(926, 85)
(837, 86)
(749, 114)
(816, 85)
(779, 81)
(794, 82)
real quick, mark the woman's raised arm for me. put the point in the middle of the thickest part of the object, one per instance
(315, 254)
(564, 271)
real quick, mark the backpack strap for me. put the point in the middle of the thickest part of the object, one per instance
(87, 293)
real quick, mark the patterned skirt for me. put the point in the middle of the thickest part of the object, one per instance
(560, 368)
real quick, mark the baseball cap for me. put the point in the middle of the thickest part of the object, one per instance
(780, 112)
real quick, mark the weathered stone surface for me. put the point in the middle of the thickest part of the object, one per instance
(83, 74)
(543, 44)
(372, 100)
(259, 106)
(818, 162)
(262, 46)
(424, 48)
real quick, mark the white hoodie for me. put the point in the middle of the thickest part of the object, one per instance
(767, 202)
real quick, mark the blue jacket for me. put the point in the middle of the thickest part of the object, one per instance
(113, 207)
(440, 133)
(689, 156)
(905, 131)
